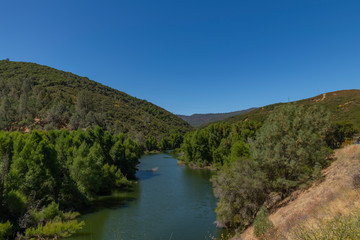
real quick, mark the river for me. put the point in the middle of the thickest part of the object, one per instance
(175, 202)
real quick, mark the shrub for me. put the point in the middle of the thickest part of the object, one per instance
(339, 132)
(356, 180)
(5, 230)
(54, 230)
(47, 213)
(15, 204)
(262, 223)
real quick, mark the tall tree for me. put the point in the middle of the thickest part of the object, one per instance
(240, 188)
(291, 145)
(5, 118)
(23, 106)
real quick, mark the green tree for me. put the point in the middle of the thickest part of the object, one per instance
(43, 172)
(112, 179)
(84, 102)
(86, 169)
(339, 132)
(15, 204)
(219, 143)
(132, 154)
(57, 116)
(5, 230)
(5, 114)
(35, 168)
(175, 139)
(238, 150)
(23, 106)
(241, 191)
(151, 144)
(164, 144)
(291, 145)
(117, 154)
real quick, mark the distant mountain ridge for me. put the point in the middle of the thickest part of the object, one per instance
(343, 104)
(34, 96)
(198, 119)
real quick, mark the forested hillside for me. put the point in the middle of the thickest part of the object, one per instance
(344, 106)
(33, 96)
(198, 120)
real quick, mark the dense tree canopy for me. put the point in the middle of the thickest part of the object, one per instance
(219, 143)
(173, 141)
(59, 170)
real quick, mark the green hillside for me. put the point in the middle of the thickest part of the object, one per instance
(344, 106)
(33, 96)
(199, 119)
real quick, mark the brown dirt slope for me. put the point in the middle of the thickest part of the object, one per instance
(333, 196)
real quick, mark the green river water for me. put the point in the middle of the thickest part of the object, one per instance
(175, 202)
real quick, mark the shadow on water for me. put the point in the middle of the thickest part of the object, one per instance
(100, 210)
(114, 201)
(146, 174)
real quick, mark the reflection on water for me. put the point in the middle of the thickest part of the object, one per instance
(174, 202)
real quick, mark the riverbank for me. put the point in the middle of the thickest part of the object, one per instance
(161, 205)
(180, 157)
(196, 166)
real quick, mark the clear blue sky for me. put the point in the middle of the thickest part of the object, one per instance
(193, 56)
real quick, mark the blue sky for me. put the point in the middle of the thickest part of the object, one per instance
(193, 56)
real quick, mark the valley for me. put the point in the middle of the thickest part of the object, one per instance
(100, 164)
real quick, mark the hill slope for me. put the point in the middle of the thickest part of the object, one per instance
(344, 105)
(35, 96)
(334, 196)
(196, 120)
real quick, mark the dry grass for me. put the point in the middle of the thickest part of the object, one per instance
(334, 196)
(338, 227)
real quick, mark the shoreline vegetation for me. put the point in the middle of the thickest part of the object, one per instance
(45, 175)
(259, 164)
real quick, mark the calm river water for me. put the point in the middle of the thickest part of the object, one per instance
(174, 202)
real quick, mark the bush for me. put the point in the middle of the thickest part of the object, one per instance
(5, 230)
(356, 180)
(47, 213)
(341, 134)
(54, 230)
(262, 223)
(15, 204)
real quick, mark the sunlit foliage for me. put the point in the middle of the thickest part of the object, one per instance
(44, 172)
